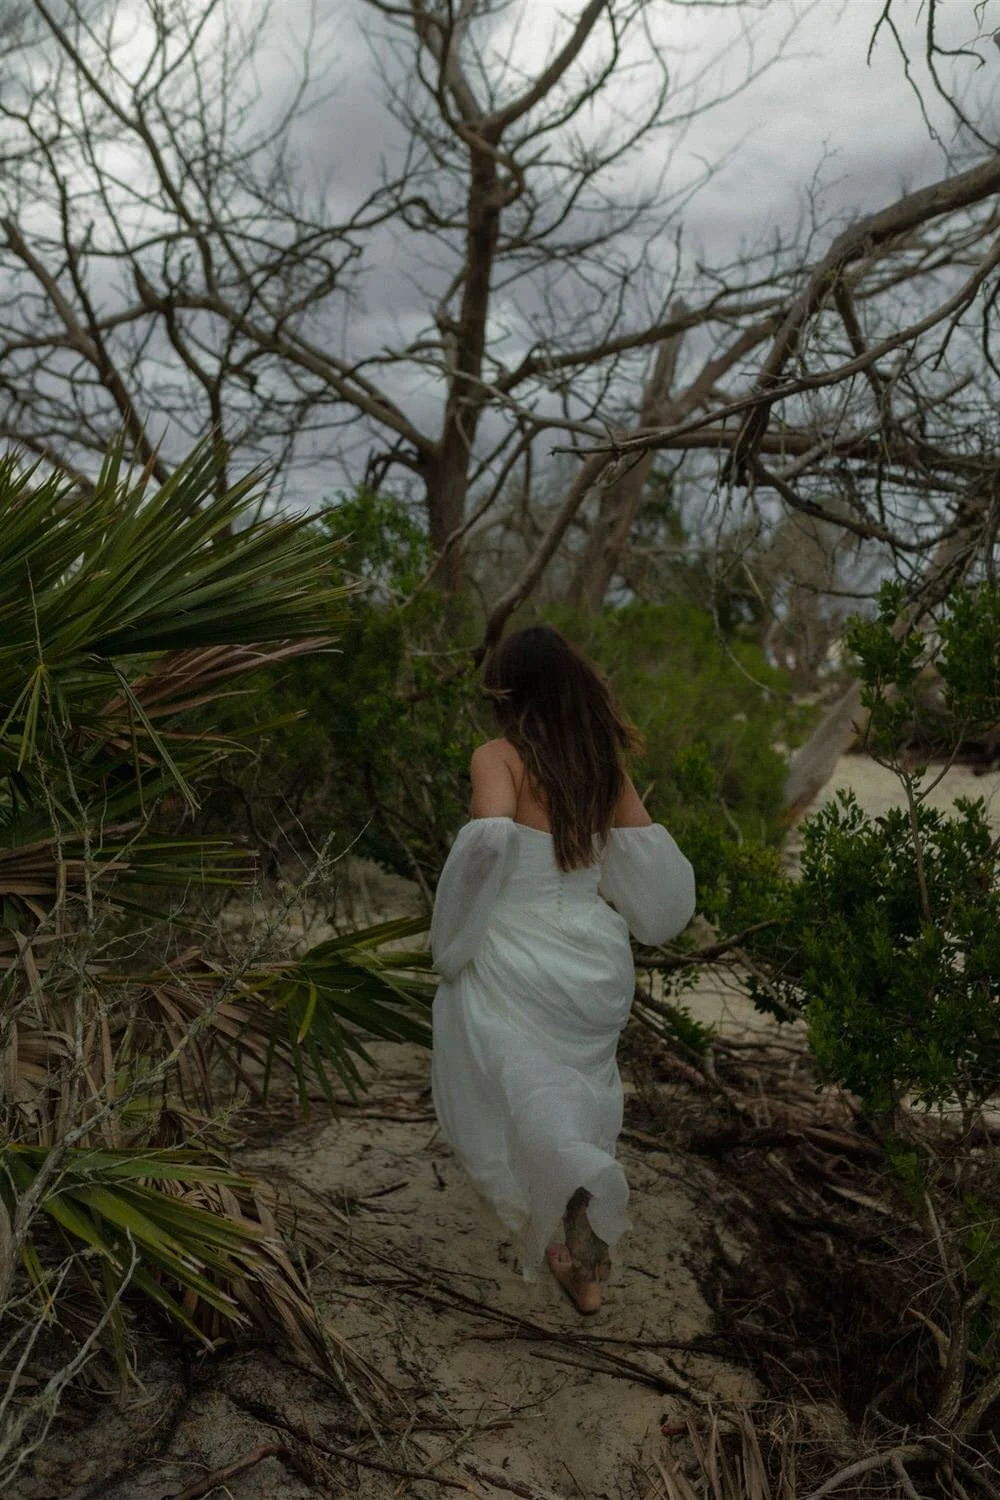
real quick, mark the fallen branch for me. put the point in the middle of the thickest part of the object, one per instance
(217, 1477)
(502, 1481)
(666, 959)
(703, 1344)
(626, 1369)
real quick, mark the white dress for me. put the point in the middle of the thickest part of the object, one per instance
(537, 983)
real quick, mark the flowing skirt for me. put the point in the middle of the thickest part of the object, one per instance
(524, 1072)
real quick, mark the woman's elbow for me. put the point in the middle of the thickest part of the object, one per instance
(687, 897)
(687, 900)
(677, 911)
(448, 962)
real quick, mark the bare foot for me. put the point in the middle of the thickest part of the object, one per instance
(584, 1294)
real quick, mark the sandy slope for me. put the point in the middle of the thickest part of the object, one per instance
(877, 789)
(565, 1430)
(420, 1279)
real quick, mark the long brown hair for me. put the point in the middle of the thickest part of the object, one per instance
(557, 710)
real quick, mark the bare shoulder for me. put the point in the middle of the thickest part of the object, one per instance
(490, 750)
(630, 813)
(493, 756)
(494, 790)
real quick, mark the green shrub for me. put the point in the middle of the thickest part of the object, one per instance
(896, 1003)
(889, 944)
(889, 947)
(382, 732)
(371, 741)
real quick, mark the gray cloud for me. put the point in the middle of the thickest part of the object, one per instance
(822, 109)
(820, 117)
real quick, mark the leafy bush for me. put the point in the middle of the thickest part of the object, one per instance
(889, 944)
(888, 947)
(372, 743)
(375, 741)
(898, 1001)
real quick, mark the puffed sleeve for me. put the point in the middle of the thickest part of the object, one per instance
(647, 878)
(473, 873)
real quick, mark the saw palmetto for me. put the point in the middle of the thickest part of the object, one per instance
(125, 613)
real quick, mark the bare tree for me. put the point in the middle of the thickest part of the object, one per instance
(609, 534)
(165, 267)
(873, 412)
(890, 439)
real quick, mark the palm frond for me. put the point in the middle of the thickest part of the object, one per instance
(123, 615)
(126, 572)
(203, 1244)
(324, 1004)
(224, 1034)
(309, 1016)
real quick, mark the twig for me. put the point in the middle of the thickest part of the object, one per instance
(625, 1369)
(979, 1406)
(899, 1469)
(684, 1346)
(501, 1481)
(673, 958)
(651, 1142)
(209, 1482)
(359, 1112)
(300, 1431)
(948, 1451)
(918, 849)
(380, 1467)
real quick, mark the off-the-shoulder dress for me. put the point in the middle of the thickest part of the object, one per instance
(537, 983)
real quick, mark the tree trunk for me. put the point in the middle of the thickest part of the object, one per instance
(619, 502)
(816, 760)
(843, 724)
(447, 480)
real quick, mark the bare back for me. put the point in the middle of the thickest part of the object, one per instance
(501, 788)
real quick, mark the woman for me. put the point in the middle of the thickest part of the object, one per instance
(530, 936)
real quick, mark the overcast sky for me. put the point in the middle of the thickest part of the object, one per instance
(820, 113)
(822, 100)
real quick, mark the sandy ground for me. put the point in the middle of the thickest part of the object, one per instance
(500, 1385)
(877, 789)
